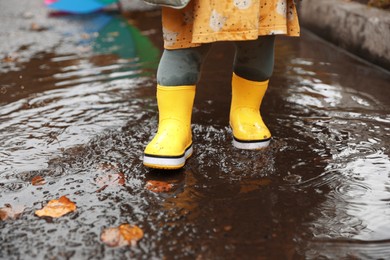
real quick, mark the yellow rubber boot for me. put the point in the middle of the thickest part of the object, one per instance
(172, 144)
(249, 130)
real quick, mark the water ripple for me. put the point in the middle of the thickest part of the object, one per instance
(348, 249)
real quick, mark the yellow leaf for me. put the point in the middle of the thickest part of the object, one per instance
(130, 232)
(57, 208)
(123, 235)
(38, 180)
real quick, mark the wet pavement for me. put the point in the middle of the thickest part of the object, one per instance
(77, 104)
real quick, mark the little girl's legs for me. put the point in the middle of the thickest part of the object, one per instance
(177, 75)
(253, 67)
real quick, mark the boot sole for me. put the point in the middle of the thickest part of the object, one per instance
(167, 162)
(251, 144)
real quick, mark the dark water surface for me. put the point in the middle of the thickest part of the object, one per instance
(87, 107)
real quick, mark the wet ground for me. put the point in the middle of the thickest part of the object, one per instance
(77, 104)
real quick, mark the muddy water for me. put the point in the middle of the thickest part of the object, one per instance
(87, 109)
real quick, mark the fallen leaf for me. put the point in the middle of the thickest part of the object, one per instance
(9, 58)
(9, 212)
(131, 233)
(109, 175)
(110, 179)
(38, 180)
(57, 208)
(123, 235)
(112, 237)
(158, 186)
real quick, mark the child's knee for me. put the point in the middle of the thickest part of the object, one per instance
(178, 79)
(179, 67)
(254, 60)
(261, 73)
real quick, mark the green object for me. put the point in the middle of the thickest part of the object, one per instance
(107, 2)
(120, 38)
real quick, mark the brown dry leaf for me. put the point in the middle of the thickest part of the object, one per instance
(9, 59)
(10, 212)
(131, 232)
(57, 208)
(158, 186)
(123, 235)
(38, 180)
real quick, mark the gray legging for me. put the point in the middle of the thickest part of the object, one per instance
(254, 60)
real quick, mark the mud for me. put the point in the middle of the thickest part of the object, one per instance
(85, 107)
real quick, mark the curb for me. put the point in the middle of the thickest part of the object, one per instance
(361, 30)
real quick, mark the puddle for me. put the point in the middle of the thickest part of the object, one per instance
(87, 109)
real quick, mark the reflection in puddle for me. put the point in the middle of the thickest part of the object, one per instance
(101, 90)
(353, 133)
(321, 189)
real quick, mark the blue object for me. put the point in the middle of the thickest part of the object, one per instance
(79, 6)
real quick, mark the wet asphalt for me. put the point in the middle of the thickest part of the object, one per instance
(77, 107)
